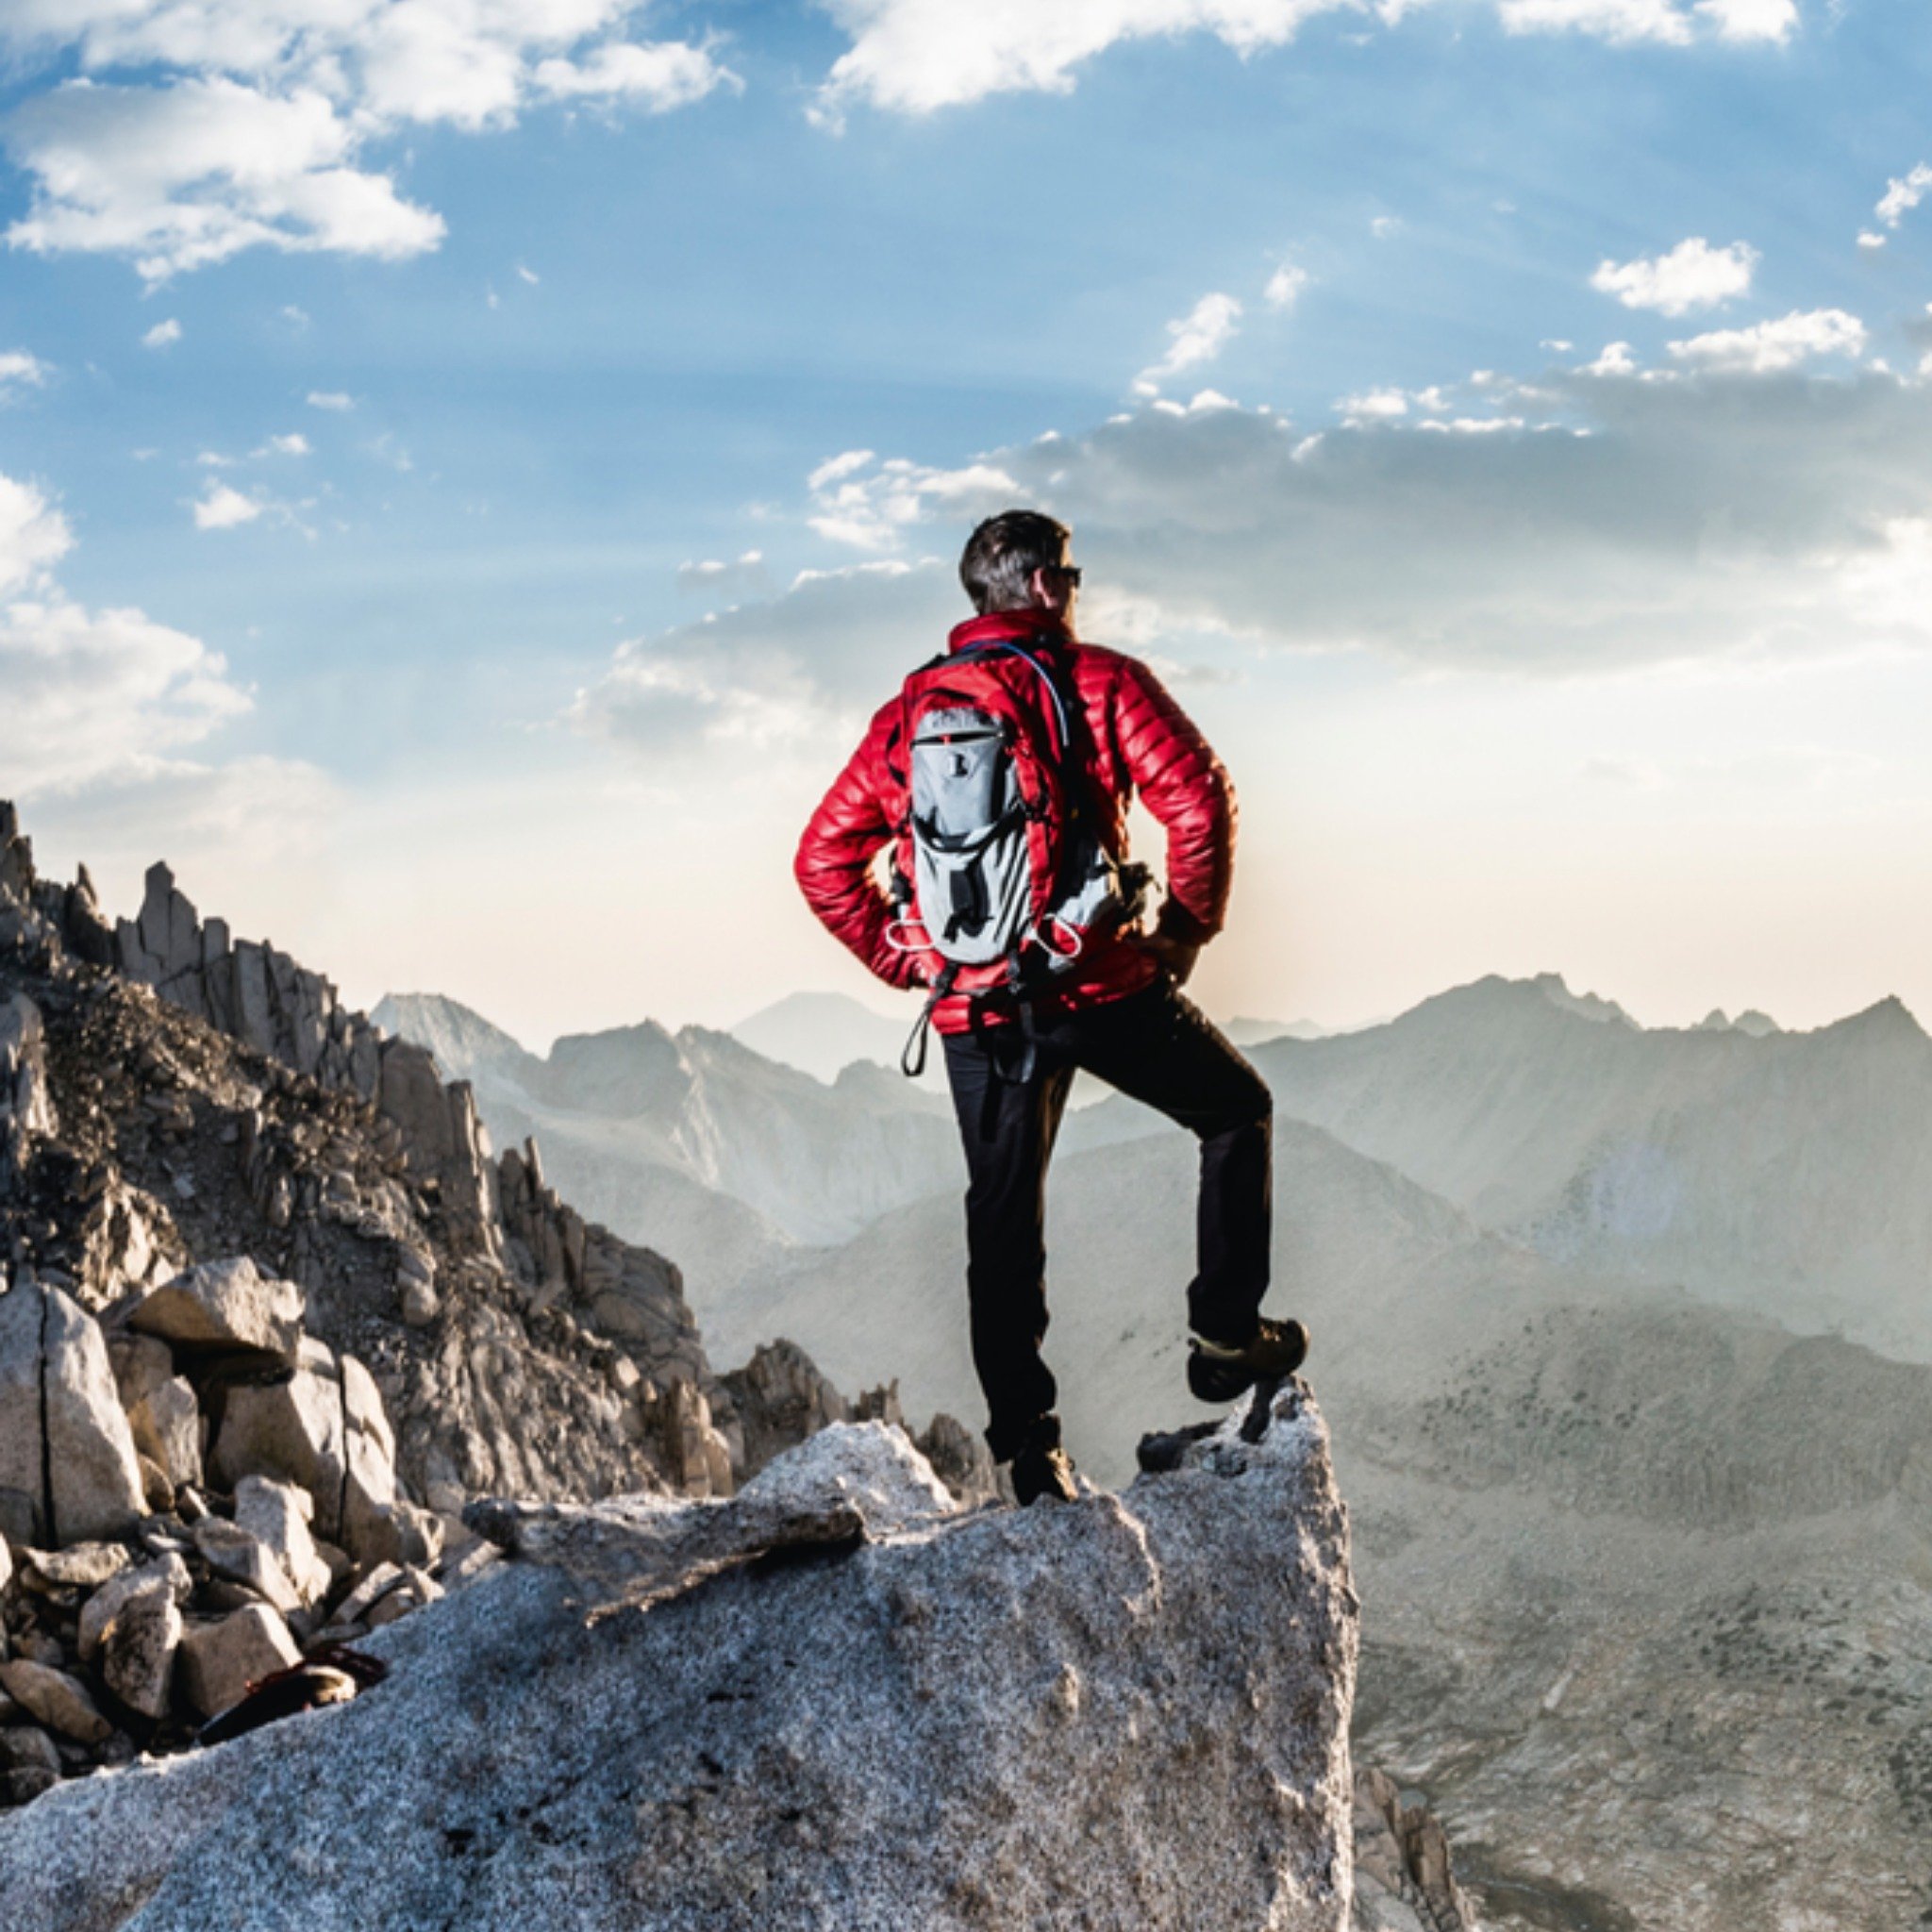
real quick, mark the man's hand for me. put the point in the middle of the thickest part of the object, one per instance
(1175, 957)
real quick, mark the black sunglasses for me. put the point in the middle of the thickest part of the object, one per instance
(1067, 573)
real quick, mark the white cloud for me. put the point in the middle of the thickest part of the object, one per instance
(867, 505)
(253, 118)
(1904, 195)
(1609, 20)
(162, 334)
(739, 576)
(33, 536)
(88, 693)
(94, 693)
(1750, 20)
(1197, 337)
(1693, 275)
(18, 368)
(1772, 348)
(1382, 226)
(1616, 360)
(833, 468)
(1699, 516)
(192, 172)
(1662, 21)
(656, 77)
(528, 274)
(293, 444)
(1373, 405)
(915, 57)
(330, 399)
(1285, 286)
(1868, 238)
(222, 508)
(785, 673)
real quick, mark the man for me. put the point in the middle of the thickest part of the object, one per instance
(1116, 1010)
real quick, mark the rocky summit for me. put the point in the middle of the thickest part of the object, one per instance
(379, 1545)
(272, 1313)
(845, 1702)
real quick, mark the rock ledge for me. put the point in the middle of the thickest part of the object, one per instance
(1126, 1712)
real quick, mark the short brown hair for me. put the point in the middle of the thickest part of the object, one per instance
(1004, 552)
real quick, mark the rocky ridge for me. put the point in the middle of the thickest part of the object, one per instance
(1127, 1712)
(271, 1313)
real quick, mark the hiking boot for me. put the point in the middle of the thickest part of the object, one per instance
(1043, 1470)
(1218, 1371)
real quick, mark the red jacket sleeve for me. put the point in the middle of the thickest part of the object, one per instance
(1187, 787)
(834, 862)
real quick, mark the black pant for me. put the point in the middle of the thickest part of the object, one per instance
(1156, 1046)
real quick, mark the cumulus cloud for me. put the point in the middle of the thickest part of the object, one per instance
(1770, 348)
(222, 508)
(91, 695)
(330, 399)
(869, 505)
(250, 121)
(1749, 20)
(33, 536)
(94, 692)
(1663, 22)
(293, 444)
(654, 79)
(1721, 511)
(162, 334)
(1903, 195)
(1693, 275)
(183, 175)
(1285, 286)
(1197, 337)
(915, 57)
(18, 369)
(791, 672)
(1373, 405)
(1610, 19)
(1734, 509)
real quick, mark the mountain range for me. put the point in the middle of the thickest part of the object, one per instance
(1622, 1334)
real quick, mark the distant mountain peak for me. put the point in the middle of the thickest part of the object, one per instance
(1888, 1018)
(1588, 1006)
(459, 1036)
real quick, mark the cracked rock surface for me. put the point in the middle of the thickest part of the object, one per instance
(1124, 1712)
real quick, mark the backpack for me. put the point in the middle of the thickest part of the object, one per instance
(1002, 869)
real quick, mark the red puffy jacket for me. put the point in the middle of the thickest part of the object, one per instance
(1139, 741)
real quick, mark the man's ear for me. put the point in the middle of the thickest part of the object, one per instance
(1045, 592)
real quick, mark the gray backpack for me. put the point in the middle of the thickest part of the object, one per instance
(1008, 872)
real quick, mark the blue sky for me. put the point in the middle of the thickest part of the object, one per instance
(412, 409)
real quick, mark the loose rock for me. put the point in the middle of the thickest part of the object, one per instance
(219, 1661)
(278, 1514)
(140, 1645)
(241, 1557)
(60, 1701)
(98, 1613)
(226, 1303)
